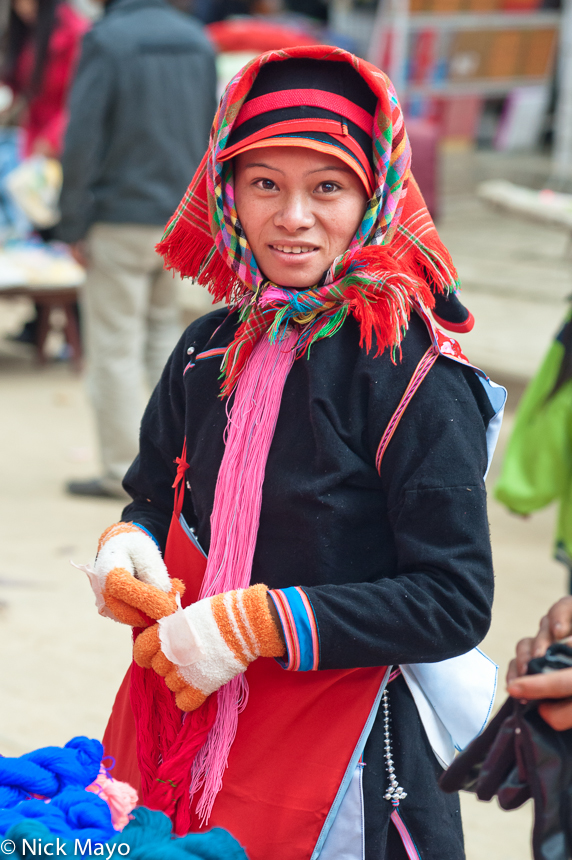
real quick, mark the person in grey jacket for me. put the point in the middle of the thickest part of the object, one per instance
(140, 113)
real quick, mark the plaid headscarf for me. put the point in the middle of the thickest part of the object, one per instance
(325, 107)
(394, 261)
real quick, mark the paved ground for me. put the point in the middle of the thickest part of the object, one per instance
(61, 663)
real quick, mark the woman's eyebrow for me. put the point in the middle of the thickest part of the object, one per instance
(265, 166)
(340, 169)
(330, 167)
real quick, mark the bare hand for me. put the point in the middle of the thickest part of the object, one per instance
(552, 685)
(554, 627)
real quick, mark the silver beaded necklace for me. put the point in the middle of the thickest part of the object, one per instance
(394, 793)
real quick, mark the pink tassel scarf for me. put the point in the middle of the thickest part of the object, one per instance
(234, 529)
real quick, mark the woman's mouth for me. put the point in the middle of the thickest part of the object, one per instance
(294, 249)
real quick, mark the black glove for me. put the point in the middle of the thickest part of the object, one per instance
(519, 756)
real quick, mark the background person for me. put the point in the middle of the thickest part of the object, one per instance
(537, 464)
(42, 46)
(140, 113)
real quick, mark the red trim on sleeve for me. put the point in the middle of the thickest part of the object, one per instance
(288, 629)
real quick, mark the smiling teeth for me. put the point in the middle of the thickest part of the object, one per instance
(297, 249)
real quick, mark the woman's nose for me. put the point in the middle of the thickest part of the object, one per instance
(295, 214)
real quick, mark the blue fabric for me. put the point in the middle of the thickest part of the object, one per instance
(346, 836)
(13, 222)
(497, 397)
(149, 838)
(47, 771)
(73, 814)
(61, 774)
(34, 830)
(303, 629)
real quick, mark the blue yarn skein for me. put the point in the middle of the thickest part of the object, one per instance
(30, 830)
(47, 771)
(89, 755)
(146, 825)
(215, 844)
(9, 817)
(150, 838)
(88, 816)
(162, 851)
(73, 814)
(61, 774)
(18, 780)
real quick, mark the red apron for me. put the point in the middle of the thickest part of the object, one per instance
(291, 761)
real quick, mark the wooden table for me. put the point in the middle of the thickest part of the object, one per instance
(46, 298)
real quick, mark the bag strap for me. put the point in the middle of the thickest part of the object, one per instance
(419, 374)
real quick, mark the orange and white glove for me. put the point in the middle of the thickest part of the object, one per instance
(202, 647)
(129, 578)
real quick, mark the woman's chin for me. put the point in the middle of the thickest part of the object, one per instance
(291, 279)
(291, 270)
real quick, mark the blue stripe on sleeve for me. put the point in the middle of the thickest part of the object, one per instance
(303, 628)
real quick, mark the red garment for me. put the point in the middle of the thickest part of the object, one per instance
(295, 740)
(46, 116)
(253, 34)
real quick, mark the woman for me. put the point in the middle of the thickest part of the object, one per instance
(300, 467)
(42, 46)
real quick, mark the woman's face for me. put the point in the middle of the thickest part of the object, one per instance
(299, 208)
(26, 10)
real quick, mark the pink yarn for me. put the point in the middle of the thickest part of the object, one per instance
(119, 796)
(234, 529)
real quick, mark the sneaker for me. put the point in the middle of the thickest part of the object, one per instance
(97, 488)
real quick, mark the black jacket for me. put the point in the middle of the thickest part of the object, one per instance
(141, 109)
(397, 566)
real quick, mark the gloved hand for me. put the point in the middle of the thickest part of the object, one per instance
(130, 579)
(202, 647)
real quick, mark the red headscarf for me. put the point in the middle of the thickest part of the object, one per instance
(395, 261)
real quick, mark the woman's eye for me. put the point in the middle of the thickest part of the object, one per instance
(328, 187)
(265, 184)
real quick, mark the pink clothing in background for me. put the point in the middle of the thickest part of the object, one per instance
(46, 115)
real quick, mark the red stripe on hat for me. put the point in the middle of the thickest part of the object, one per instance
(293, 126)
(309, 98)
(287, 126)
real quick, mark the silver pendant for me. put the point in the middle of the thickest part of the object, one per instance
(394, 793)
